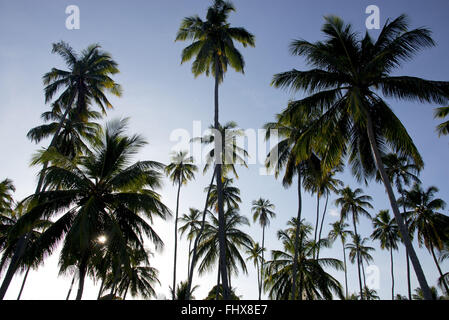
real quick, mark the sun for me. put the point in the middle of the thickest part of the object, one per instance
(102, 239)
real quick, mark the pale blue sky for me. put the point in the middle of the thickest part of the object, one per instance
(161, 95)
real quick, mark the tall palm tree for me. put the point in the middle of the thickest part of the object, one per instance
(429, 224)
(236, 241)
(102, 194)
(181, 291)
(340, 230)
(262, 210)
(86, 81)
(401, 171)
(344, 83)
(359, 252)
(213, 49)
(180, 171)
(387, 232)
(281, 157)
(327, 183)
(191, 226)
(354, 203)
(254, 253)
(314, 281)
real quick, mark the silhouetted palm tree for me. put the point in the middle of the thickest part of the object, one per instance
(339, 230)
(354, 203)
(213, 49)
(191, 226)
(358, 252)
(262, 210)
(387, 232)
(355, 122)
(401, 171)
(180, 171)
(429, 224)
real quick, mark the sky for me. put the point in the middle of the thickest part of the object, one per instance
(160, 96)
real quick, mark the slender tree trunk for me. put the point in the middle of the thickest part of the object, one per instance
(23, 241)
(346, 271)
(298, 227)
(363, 273)
(82, 275)
(221, 217)
(322, 222)
(316, 223)
(217, 291)
(101, 288)
(176, 239)
(198, 237)
(432, 250)
(259, 277)
(402, 228)
(263, 262)
(409, 286)
(23, 283)
(71, 287)
(392, 274)
(188, 259)
(126, 290)
(358, 258)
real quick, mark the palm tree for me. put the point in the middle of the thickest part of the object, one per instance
(369, 294)
(262, 210)
(231, 195)
(235, 241)
(102, 194)
(355, 121)
(401, 171)
(354, 202)
(419, 295)
(254, 252)
(281, 157)
(429, 224)
(6, 198)
(191, 226)
(327, 183)
(314, 281)
(213, 48)
(140, 280)
(442, 128)
(387, 232)
(339, 230)
(181, 291)
(216, 293)
(358, 250)
(86, 81)
(76, 128)
(180, 171)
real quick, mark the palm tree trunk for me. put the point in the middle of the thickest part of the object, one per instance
(392, 274)
(198, 237)
(176, 239)
(23, 241)
(263, 261)
(101, 288)
(322, 222)
(126, 290)
(298, 227)
(259, 277)
(188, 259)
(23, 283)
(316, 222)
(346, 271)
(363, 273)
(432, 249)
(70, 289)
(358, 258)
(409, 286)
(82, 275)
(221, 218)
(402, 228)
